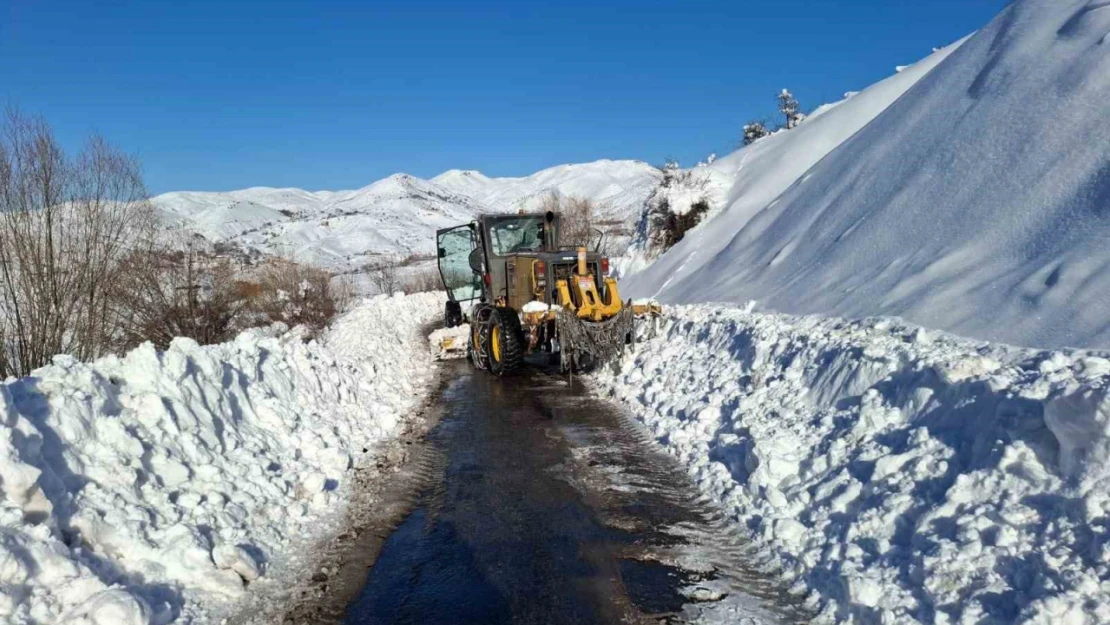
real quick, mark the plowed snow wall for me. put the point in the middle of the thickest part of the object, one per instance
(892, 474)
(161, 486)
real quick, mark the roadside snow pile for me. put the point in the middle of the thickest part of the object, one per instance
(894, 475)
(975, 203)
(156, 486)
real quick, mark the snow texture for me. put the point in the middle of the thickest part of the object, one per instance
(397, 216)
(157, 486)
(977, 202)
(891, 473)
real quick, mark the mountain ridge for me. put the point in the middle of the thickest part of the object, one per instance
(395, 216)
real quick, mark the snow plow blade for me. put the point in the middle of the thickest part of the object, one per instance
(449, 343)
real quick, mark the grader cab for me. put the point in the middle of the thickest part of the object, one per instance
(523, 294)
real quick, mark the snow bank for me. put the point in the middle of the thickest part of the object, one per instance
(893, 474)
(158, 485)
(975, 203)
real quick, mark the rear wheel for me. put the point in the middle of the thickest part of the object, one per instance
(504, 341)
(452, 314)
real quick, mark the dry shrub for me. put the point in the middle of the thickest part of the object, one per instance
(166, 293)
(296, 295)
(191, 293)
(422, 281)
(415, 259)
(669, 227)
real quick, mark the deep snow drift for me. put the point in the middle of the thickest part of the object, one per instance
(743, 183)
(976, 203)
(343, 230)
(158, 485)
(893, 474)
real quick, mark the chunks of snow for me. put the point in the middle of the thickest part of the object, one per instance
(894, 475)
(537, 307)
(155, 486)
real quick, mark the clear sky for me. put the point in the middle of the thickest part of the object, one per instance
(328, 95)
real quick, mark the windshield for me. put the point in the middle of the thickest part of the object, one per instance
(519, 234)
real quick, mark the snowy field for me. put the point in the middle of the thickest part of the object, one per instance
(892, 474)
(159, 486)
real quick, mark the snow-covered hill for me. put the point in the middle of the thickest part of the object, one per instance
(743, 183)
(976, 202)
(396, 216)
(617, 187)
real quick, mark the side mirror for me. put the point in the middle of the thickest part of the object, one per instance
(475, 260)
(442, 253)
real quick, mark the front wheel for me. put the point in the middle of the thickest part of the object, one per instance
(504, 341)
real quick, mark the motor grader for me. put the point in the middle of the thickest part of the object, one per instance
(524, 295)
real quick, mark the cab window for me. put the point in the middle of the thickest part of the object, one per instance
(517, 234)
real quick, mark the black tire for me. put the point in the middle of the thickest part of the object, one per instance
(505, 339)
(452, 314)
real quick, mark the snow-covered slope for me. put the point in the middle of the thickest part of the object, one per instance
(336, 230)
(396, 216)
(619, 188)
(976, 203)
(160, 486)
(743, 183)
(892, 474)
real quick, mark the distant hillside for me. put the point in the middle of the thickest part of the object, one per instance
(396, 216)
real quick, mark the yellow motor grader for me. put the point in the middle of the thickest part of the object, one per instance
(522, 294)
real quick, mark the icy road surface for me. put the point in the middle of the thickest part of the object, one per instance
(551, 507)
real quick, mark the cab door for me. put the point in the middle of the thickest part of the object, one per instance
(455, 246)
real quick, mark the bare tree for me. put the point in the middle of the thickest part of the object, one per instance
(578, 219)
(66, 226)
(385, 276)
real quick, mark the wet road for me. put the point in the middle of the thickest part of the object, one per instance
(550, 507)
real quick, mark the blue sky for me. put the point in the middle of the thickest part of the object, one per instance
(330, 95)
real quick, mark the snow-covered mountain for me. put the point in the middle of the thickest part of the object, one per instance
(618, 188)
(976, 202)
(396, 216)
